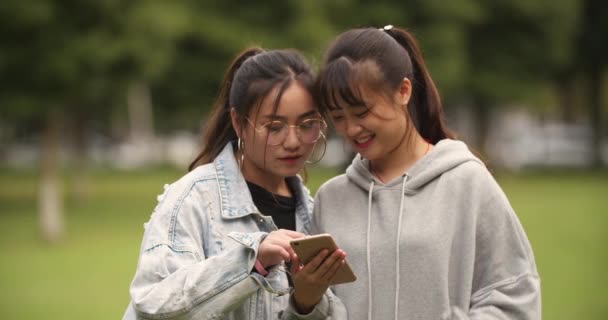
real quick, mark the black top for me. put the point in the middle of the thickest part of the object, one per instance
(282, 209)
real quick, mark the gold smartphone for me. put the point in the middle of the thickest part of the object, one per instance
(308, 247)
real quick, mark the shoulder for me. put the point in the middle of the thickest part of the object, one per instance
(334, 184)
(194, 179)
(183, 205)
(472, 174)
(186, 189)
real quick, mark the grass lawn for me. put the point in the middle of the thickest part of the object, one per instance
(87, 274)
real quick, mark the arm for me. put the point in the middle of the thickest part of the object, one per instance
(506, 284)
(175, 278)
(173, 282)
(516, 298)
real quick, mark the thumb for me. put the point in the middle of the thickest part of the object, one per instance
(295, 264)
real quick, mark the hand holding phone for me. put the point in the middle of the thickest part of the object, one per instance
(309, 247)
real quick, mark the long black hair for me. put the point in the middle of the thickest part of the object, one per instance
(253, 74)
(379, 59)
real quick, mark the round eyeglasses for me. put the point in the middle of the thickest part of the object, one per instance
(308, 131)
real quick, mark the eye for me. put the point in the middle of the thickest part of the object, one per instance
(337, 117)
(363, 114)
(309, 124)
(275, 127)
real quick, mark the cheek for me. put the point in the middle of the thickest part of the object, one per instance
(340, 128)
(256, 148)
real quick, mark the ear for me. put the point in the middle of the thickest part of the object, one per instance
(404, 93)
(235, 122)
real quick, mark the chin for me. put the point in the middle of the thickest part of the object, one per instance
(370, 155)
(288, 172)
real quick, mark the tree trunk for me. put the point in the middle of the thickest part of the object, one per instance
(80, 185)
(141, 119)
(481, 114)
(566, 99)
(595, 112)
(50, 201)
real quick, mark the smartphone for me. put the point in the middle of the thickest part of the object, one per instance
(308, 247)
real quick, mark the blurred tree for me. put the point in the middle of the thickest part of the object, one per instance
(592, 58)
(513, 50)
(65, 63)
(218, 32)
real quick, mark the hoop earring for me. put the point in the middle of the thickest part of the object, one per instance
(240, 148)
(322, 154)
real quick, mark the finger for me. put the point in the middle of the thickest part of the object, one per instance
(292, 234)
(333, 270)
(295, 264)
(328, 263)
(279, 252)
(283, 241)
(284, 254)
(314, 264)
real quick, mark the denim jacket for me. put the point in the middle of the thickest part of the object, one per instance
(200, 246)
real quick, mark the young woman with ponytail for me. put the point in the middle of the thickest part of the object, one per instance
(430, 234)
(217, 244)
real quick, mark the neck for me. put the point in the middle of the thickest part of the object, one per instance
(272, 183)
(400, 160)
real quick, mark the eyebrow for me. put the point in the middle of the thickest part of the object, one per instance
(272, 117)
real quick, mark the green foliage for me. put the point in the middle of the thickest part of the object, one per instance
(82, 55)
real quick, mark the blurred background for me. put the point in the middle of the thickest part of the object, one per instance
(102, 102)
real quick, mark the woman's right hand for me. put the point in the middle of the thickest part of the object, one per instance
(275, 247)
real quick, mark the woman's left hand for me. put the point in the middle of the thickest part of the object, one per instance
(312, 280)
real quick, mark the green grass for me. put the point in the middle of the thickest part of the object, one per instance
(87, 274)
(566, 218)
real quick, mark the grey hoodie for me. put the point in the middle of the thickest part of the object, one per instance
(462, 252)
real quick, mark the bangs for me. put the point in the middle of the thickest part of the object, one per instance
(337, 89)
(341, 84)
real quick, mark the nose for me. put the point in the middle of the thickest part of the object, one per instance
(352, 127)
(291, 140)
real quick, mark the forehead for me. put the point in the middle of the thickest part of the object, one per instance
(363, 97)
(294, 101)
(352, 84)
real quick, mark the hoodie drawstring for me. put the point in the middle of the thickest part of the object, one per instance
(369, 264)
(367, 246)
(397, 272)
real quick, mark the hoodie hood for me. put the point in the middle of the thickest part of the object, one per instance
(445, 156)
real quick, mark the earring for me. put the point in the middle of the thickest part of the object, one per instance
(240, 147)
(323, 153)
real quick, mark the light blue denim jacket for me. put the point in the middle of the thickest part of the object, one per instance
(200, 246)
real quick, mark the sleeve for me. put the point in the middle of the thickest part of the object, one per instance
(517, 298)
(330, 308)
(506, 284)
(174, 278)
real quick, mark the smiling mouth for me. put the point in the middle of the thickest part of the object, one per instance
(363, 142)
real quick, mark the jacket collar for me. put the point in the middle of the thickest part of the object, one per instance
(236, 201)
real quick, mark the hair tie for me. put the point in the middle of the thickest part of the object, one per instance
(386, 28)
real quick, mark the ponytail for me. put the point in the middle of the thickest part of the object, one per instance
(426, 109)
(219, 129)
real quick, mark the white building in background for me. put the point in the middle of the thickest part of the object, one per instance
(518, 139)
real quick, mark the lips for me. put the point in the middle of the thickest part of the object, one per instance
(363, 142)
(291, 159)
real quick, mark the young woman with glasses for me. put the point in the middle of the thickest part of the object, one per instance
(217, 244)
